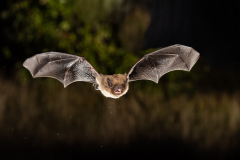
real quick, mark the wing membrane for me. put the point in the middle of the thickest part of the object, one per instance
(154, 65)
(66, 68)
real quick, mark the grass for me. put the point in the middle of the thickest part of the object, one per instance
(44, 114)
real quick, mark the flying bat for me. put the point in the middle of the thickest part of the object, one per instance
(69, 68)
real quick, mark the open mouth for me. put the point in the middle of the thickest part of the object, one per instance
(118, 91)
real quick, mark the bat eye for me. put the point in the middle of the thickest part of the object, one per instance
(109, 83)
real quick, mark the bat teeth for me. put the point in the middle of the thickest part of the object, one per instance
(118, 91)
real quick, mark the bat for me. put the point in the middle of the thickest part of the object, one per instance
(69, 68)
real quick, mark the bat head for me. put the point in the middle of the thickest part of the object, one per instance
(118, 87)
(115, 85)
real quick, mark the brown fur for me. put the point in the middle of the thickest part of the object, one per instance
(117, 80)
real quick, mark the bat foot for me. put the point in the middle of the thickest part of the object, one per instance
(96, 86)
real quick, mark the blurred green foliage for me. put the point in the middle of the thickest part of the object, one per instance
(109, 34)
(81, 28)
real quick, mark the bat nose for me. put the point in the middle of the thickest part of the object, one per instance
(118, 87)
(118, 90)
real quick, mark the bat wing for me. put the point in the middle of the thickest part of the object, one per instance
(154, 65)
(64, 67)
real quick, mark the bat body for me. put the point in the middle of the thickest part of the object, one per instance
(69, 68)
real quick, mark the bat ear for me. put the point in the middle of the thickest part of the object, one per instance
(125, 83)
(109, 83)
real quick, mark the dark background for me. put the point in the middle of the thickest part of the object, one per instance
(193, 115)
(210, 27)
